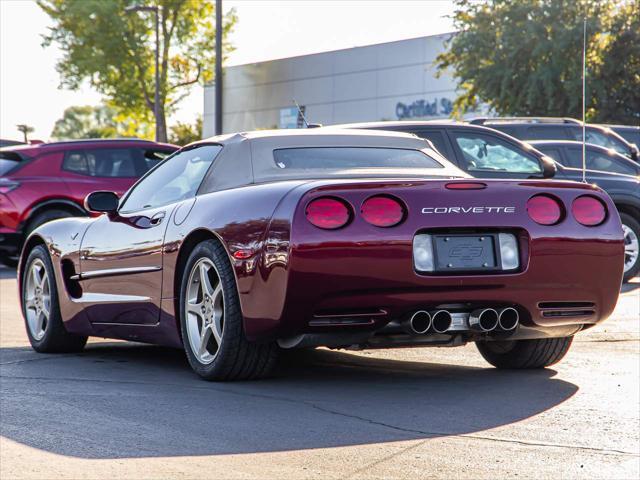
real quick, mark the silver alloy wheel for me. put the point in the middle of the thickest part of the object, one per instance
(204, 311)
(631, 247)
(37, 299)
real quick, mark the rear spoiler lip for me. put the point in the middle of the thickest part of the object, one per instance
(329, 185)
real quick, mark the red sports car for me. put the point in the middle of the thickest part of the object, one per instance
(239, 246)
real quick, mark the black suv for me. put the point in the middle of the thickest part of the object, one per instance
(487, 153)
(548, 128)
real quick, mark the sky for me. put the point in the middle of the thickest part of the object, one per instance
(29, 82)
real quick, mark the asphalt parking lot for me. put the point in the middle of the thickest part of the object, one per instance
(133, 411)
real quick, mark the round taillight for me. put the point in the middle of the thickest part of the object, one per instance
(382, 211)
(544, 209)
(588, 210)
(328, 213)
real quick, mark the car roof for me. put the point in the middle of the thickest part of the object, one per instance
(526, 120)
(248, 157)
(400, 123)
(441, 123)
(327, 136)
(620, 127)
(94, 142)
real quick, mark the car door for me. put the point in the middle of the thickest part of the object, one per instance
(485, 155)
(121, 253)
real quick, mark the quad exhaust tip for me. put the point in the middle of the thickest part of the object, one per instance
(441, 321)
(419, 323)
(508, 319)
(481, 320)
(484, 319)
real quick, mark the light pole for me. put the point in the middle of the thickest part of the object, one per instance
(218, 91)
(156, 102)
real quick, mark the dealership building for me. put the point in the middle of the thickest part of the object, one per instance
(387, 81)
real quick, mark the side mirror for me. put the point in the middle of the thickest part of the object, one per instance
(549, 168)
(102, 201)
(635, 152)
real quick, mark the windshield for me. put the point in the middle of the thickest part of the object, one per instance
(339, 159)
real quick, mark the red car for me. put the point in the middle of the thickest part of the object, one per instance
(42, 182)
(242, 245)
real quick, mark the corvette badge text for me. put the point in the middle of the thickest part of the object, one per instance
(469, 210)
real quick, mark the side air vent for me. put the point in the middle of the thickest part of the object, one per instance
(342, 318)
(567, 313)
(544, 305)
(567, 309)
(69, 273)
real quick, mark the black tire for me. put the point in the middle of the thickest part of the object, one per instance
(236, 358)
(634, 225)
(56, 339)
(44, 217)
(523, 354)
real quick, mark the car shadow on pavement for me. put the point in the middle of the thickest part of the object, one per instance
(123, 400)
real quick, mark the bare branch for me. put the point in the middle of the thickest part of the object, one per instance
(188, 82)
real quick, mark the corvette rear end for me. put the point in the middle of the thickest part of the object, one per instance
(244, 244)
(402, 263)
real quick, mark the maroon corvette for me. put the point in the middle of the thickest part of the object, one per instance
(236, 247)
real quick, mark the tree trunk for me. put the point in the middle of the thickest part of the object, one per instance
(161, 125)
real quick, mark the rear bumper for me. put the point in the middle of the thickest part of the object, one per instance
(569, 275)
(564, 284)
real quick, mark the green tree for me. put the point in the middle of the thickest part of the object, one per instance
(25, 130)
(184, 133)
(100, 121)
(524, 57)
(616, 91)
(115, 50)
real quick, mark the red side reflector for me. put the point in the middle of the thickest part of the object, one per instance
(242, 254)
(589, 210)
(466, 186)
(382, 211)
(328, 213)
(544, 209)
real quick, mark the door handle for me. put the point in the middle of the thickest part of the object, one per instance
(157, 219)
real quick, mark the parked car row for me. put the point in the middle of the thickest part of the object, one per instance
(42, 182)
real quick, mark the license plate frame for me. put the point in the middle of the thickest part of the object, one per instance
(466, 252)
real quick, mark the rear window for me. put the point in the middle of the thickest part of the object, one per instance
(9, 161)
(349, 158)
